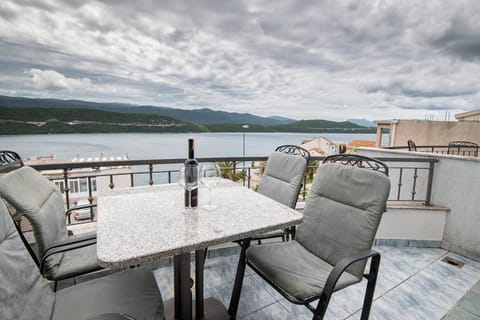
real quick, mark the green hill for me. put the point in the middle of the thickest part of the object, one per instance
(47, 120)
(32, 120)
(198, 116)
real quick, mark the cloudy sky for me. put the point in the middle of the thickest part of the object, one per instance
(301, 59)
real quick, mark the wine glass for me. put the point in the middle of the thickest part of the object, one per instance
(188, 184)
(210, 176)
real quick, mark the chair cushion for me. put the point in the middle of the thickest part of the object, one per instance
(75, 262)
(342, 213)
(132, 292)
(283, 177)
(298, 272)
(39, 200)
(24, 293)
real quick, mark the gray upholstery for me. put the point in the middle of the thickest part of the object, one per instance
(132, 292)
(36, 198)
(342, 213)
(341, 217)
(283, 177)
(292, 267)
(25, 294)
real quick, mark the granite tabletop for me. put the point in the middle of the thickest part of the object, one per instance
(143, 224)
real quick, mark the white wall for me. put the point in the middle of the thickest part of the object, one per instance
(456, 185)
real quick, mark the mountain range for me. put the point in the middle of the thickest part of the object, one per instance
(199, 116)
(30, 115)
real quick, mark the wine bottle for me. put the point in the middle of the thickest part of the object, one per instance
(191, 177)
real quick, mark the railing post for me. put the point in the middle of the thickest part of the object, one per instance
(399, 183)
(150, 171)
(430, 182)
(415, 176)
(66, 188)
(234, 171)
(111, 185)
(90, 197)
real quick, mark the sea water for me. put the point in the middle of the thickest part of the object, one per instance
(160, 145)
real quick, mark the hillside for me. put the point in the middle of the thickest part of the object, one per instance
(199, 116)
(47, 120)
(40, 120)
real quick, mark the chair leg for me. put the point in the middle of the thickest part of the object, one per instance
(321, 307)
(372, 281)
(237, 287)
(205, 253)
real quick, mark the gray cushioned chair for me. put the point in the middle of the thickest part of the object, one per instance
(283, 178)
(36, 198)
(25, 294)
(333, 242)
(9, 160)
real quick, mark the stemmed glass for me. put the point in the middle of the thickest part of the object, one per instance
(186, 185)
(210, 176)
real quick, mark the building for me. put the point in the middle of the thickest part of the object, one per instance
(428, 132)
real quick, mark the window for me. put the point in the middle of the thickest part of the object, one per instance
(76, 185)
(59, 185)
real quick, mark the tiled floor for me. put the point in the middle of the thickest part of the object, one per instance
(413, 284)
(468, 307)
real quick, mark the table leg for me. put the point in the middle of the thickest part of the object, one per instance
(199, 263)
(182, 288)
(180, 307)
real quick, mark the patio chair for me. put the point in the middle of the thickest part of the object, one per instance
(463, 148)
(33, 196)
(282, 180)
(25, 294)
(411, 145)
(334, 241)
(9, 160)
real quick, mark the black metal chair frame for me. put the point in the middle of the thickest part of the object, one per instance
(9, 160)
(64, 246)
(358, 161)
(457, 145)
(337, 271)
(295, 150)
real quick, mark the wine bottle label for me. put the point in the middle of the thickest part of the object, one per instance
(191, 197)
(191, 177)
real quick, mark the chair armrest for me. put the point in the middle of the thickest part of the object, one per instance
(69, 211)
(67, 245)
(342, 265)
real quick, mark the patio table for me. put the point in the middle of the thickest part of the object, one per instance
(141, 224)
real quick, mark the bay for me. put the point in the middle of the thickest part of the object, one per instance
(160, 145)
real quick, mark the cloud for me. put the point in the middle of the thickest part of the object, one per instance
(304, 59)
(412, 88)
(52, 80)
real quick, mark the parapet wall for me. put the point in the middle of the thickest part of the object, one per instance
(456, 184)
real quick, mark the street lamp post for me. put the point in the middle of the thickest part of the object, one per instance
(244, 127)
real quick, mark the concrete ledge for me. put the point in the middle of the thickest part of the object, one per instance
(413, 221)
(412, 205)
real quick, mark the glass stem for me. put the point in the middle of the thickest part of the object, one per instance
(209, 196)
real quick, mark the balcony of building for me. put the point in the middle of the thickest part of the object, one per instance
(428, 237)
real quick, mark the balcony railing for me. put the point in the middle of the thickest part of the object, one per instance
(411, 178)
(442, 149)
